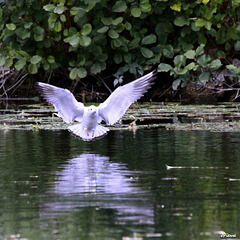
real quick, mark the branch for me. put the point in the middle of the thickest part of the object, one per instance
(105, 84)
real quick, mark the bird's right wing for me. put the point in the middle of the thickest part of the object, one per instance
(69, 109)
(119, 101)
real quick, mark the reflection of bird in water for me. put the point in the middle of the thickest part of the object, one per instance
(93, 180)
(110, 111)
(92, 173)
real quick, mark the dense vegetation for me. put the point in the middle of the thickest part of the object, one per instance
(189, 40)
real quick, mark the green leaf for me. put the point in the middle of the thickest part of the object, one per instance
(200, 50)
(136, 12)
(176, 7)
(204, 77)
(46, 66)
(59, 9)
(232, 33)
(237, 46)
(221, 54)
(180, 21)
(81, 60)
(58, 27)
(190, 54)
(73, 73)
(38, 30)
(208, 25)
(117, 21)
(116, 43)
(128, 26)
(117, 58)
(179, 60)
(35, 59)
(231, 67)
(145, 6)
(200, 22)
(74, 10)
(96, 68)
(190, 66)
(150, 39)
(103, 29)
(82, 73)
(32, 68)
(20, 64)
(168, 51)
(119, 6)
(147, 53)
(106, 21)
(73, 40)
(85, 41)
(38, 38)
(120, 27)
(77, 73)
(205, 1)
(181, 71)
(63, 18)
(221, 36)
(86, 29)
(176, 84)
(8, 62)
(113, 34)
(127, 57)
(2, 60)
(49, 7)
(23, 33)
(27, 25)
(51, 59)
(11, 26)
(163, 67)
(215, 64)
(204, 60)
(134, 43)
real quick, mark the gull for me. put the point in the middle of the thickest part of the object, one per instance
(110, 111)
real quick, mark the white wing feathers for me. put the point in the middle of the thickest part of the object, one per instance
(69, 109)
(119, 101)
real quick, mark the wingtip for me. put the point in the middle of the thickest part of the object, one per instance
(39, 87)
(154, 73)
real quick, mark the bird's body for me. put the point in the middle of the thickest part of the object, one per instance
(110, 111)
(90, 118)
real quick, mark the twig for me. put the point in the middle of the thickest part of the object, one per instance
(165, 91)
(18, 83)
(50, 75)
(222, 89)
(237, 95)
(105, 84)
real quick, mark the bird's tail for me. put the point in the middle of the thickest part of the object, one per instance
(78, 131)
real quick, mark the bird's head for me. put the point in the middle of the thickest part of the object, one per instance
(92, 110)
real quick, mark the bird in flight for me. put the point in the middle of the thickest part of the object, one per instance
(110, 111)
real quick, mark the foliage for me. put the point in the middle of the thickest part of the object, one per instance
(207, 38)
(87, 36)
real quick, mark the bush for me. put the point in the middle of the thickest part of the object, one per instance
(88, 36)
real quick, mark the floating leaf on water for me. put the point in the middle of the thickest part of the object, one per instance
(181, 167)
(234, 179)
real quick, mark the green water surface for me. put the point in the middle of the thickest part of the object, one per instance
(148, 184)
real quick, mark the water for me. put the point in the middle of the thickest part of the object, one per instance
(151, 184)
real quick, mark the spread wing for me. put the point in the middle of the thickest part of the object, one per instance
(120, 100)
(69, 109)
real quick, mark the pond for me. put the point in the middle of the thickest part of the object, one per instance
(144, 184)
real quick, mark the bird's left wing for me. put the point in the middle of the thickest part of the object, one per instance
(69, 109)
(119, 101)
